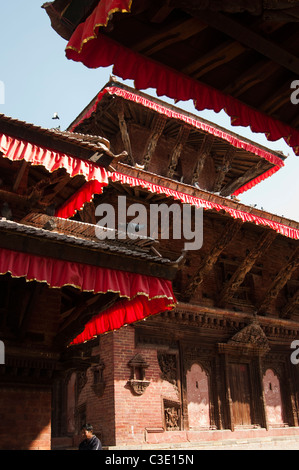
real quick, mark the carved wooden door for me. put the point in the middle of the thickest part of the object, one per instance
(240, 394)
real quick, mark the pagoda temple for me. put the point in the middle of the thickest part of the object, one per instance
(220, 360)
(153, 343)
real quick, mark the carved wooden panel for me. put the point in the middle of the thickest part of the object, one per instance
(172, 415)
(169, 368)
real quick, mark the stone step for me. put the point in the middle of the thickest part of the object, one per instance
(275, 443)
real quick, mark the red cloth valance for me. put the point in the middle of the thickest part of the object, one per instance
(18, 150)
(140, 295)
(86, 193)
(100, 16)
(95, 50)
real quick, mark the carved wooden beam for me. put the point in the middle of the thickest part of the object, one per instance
(290, 305)
(214, 58)
(230, 230)
(204, 152)
(180, 142)
(87, 214)
(20, 184)
(157, 129)
(282, 97)
(247, 176)
(74, 320)
(239, 275)
(160, 13)
(41, 193)
(251, 77)
(124, 131)
(170, 36)
(26, 314)
(249, 38)
(256, 8)
(224, 169)
(280, 281)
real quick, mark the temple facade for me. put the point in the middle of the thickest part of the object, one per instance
(179, 332)
(222, 363)
(155, 338)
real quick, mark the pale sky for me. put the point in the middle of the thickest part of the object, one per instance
(38, 81)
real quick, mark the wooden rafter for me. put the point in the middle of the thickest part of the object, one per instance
(230, 230)
(27, 312)
(87, 214)
(224, 168)
(124, 131)
(157, 130)
(177, 150)
(203, 153)
(239, 275)
(73, 321)
(20, 182)
(290, 305)
(214, 58)
(170, 36)
(251, 77)
(273, 103)
(259, 168)
(249, 38)
(280, 281)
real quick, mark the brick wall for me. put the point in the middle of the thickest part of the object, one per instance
(136, 413)
(120, 416)
(100, 409)
(25, 419)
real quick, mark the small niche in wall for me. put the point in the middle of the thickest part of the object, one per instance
(138, 382)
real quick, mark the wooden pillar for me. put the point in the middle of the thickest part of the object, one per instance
(229, 410)
(183, 388)
(264, 419)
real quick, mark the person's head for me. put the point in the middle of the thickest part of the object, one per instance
(87, 431)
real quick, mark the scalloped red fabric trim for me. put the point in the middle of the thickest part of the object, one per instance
(140, 295)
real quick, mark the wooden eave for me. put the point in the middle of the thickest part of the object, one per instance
(205, 195)
(28, 188)
(32, 238)
(234, 166)
(76, 145)
(244, 49)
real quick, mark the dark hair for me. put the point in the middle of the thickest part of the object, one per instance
(88, 427)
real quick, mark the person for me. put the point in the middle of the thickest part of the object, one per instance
(90, 442)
